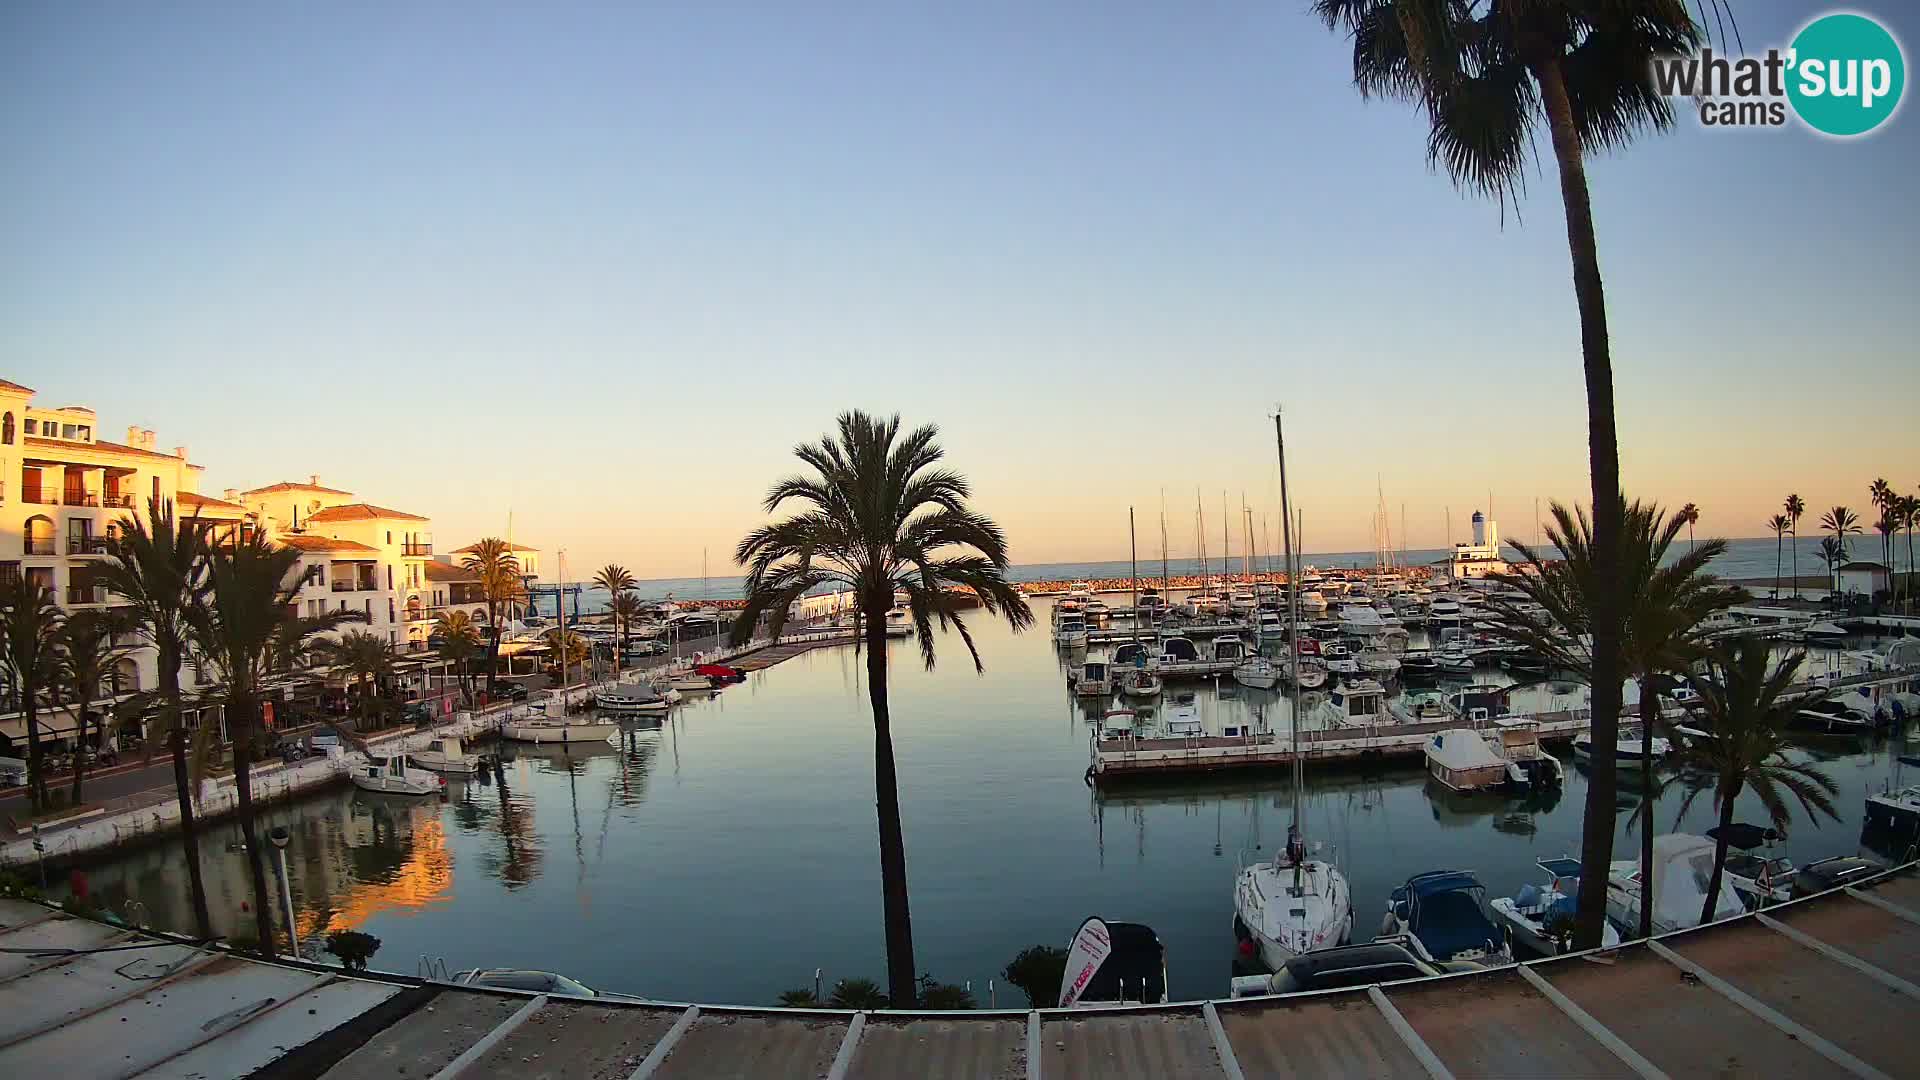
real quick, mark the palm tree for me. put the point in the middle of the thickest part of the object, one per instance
(1842, 523)
(493, 561)
(1690, 515)
(627, 609)
(569, 650)
(1795, 506)
(459, 643)
(614, 578)
(1833, 553)
(1747, 710)
(250, 613)
(362, 659)
(1779, 524)
(158, 565)
(1666, 607)
(89, 658)
(1881, 494)
(29, 636)
(1486, 76)
(1888, 526)
(1909, 510)
(880, 516)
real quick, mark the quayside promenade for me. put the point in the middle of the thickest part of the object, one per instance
(1824, 986)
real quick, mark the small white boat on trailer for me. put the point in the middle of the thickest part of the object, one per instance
(388, 774)
(545, 729)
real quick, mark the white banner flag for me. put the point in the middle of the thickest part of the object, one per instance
(1089, 950)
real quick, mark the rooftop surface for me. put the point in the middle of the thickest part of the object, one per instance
(1819, 987)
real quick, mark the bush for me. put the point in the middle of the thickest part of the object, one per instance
(352, 948)
(1037, 971)
(799, 999)
(939, 995)
(857, 994)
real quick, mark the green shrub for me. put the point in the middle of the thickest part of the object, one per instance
(1038, 971)
(352, 948)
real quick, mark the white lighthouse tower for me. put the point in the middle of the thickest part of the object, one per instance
(1482, 556)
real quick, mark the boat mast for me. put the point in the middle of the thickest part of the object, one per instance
(1133, 549)
(1166, 580)
(1226, 549)
(1200, 536)
(1293, 646)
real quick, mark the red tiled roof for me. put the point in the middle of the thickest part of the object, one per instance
(439, 571)
(323, 543)
(361, 512)
(290, 486)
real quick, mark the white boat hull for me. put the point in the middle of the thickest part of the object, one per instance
(1532, 934)
(460, 766)
(592, 731)
(616, 704)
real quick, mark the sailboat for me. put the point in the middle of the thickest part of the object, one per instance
(1292, 904)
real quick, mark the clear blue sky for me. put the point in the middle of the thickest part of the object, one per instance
(635, 252)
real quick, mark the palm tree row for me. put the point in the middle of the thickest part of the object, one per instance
(229, 608)
(622, 603)
(492, 560)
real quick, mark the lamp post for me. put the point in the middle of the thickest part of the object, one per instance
(280, 837)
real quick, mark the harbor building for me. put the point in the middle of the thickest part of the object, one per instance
(1480, 558)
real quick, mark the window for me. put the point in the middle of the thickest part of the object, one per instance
(389, 537)
(6, 430)
(32, 426)
(156, 489)
(390, 609)
(389, 570)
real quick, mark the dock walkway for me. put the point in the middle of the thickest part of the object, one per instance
(1826, 986)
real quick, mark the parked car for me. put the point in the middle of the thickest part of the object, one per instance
(513, 692)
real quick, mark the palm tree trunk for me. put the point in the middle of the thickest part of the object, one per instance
(1603, 451)
(183, 790)
(1719, 853)
(1649, 712)
(1796, 564)
(36, 758)
(1778, 540)
(893, 846)
(80, 751)
(242, 711)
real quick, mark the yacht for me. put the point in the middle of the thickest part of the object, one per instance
(1071, 631)
(1682, 866)
(1140, 683)
(1356, 703)
(1256, 671)
(630, 699)
(1312, 602)
(1095, 679)
(447, 755)
(1540, 917)
(1228, 648)
(542, 729)
(1630, 751)
(1269, 624)
(1443, 913)
(1242, 602)
(1179, 656)
(389, 774)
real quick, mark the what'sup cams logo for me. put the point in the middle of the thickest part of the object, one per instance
(1843, 76)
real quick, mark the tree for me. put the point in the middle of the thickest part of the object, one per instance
(880, 516)
(362, 659)
(1795, 506)
(569, 650)
(856, 994)
(493, 561)
(627, 609)
(1833, 554)
(249, 613)
(29, 634)
(158, 565)
(614, 578)
(1909, 511)
(1690, 515)
(1842, 523)
(802, 998)
(1487, 76)
(459, 644)
(1884, 499)
(1665, 606)
(1779, 524)
(1746, 710)
(1888, 526)
(89, 659)
(1038, 971)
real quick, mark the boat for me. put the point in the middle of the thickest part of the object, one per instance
(558, 730)
(1095, 609)
(1071, 630)
(1095, 679)
(1269, 624)
(1292, 904)
(446, 755)
(1444, 914)
(1132, 654)
(1256, 671)
(1356, 703)
(1839, 871)
(1834, 716)
(1421, 708)
(1824, 632)
(1630, 751)
(1378, 665)
(1761, 878)
(1140, 683)
(1229, 649)
(1111, 964)
(1461, 760)
(1309, 674)
(1180, 656)
(1419, 667)
(1529, 766)
(1313, 603)
(1540, 918)
(1241, 602)
(1181, 719)
(1381, 960)
(721, 673)
(629, 699)
(388, 774)
(1896, 808)
(1682, 866)
(1454, 662)
(1527, 663)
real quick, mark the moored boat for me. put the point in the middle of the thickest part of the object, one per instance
(1540, 917)
(1443, 913)
(629, 699)
(447, 755)
(544, 729)
(389, 774)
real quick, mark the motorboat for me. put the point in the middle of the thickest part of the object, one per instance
(546, 983)
(1071, 631)
(1835, 716)
(1419, 667)
(1829, 632)
(1241, 602)
(1118, 724)
(1377, 665)
(1526, 663)
(1529, 766)
(544, 729)
(1269, 624)
(1479, 704)
(1094, 679)
(1095, 610)
(1839, 871)
(1140, 683)
(1421, 708)
(1133, 654)
(721, 673)
(1181, 718)
(1462, 759)
(1180, 656)
(1113, 963)
(1357, 703)
(1256, 671)
(1444, 914)
(1456, 662)
(1229, 649)
(1313, 602)
(629, 699)
(1682, 867)
(1630, 750)
(1378, 961)
(1292, 906)
(446, 755)
(1896, 808)
(389, 774)
(1540, 917)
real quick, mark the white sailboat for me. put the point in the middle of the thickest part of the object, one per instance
(1292, 904)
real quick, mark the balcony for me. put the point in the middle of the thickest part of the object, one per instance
(120, 499)
(86, 545)
(420, 548)
(76, 497)
(42, 547)
(86, 594)
(356, 586)
(40, 496)
(343, 586)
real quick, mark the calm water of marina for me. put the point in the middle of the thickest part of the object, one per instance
(726, 854)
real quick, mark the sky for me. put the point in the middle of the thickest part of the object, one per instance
(600, 267)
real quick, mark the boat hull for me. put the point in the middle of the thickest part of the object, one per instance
(559, 733)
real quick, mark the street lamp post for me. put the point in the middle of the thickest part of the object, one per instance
(279, 835)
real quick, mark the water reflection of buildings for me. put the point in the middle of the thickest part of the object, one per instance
(387, 855)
